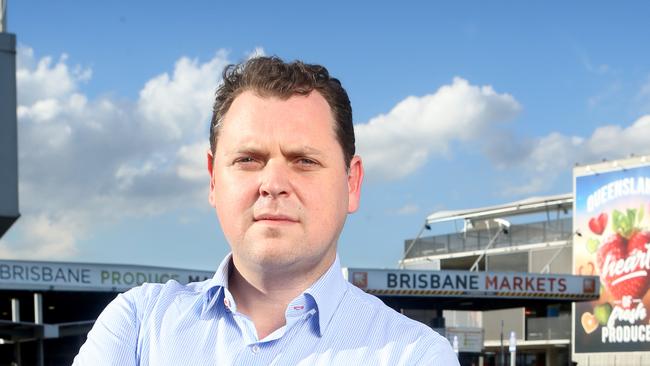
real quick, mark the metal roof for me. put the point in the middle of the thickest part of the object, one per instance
(521, 207)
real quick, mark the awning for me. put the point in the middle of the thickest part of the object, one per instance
(521, 207)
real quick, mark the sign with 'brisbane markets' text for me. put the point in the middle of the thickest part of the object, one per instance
(468, 284)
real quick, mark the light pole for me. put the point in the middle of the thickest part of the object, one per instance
(513, 348)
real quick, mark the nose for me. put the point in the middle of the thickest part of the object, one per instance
(275, 180)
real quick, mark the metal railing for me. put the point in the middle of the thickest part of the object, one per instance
(531, 233)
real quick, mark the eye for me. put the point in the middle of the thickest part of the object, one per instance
(306, 163)
(245, 159)
(246, 162)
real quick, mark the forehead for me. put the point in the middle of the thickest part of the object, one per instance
(301, 118)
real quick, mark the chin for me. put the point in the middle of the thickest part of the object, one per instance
(272, 253)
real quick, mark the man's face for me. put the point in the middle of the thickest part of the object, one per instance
(279, 182)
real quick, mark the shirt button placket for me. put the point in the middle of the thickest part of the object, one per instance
(255, 349)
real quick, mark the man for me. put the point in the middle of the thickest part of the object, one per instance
(283, 177)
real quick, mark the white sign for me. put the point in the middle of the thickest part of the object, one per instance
(467, 339)
(88, 277)
(470, 284)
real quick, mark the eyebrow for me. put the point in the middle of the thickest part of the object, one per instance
(248, 148)
(256, 149)
(302, 150)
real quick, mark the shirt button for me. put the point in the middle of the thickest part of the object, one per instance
(255, 349)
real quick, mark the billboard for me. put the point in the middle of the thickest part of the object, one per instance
(611, 220)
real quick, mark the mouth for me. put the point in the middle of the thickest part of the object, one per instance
(274, 219)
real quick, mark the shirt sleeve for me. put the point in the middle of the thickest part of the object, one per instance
(439, 353)
(113, 338)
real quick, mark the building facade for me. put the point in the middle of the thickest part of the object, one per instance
(529, 236)
(602, 229)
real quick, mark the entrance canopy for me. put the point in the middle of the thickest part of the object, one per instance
(526, 206)
(468, 290)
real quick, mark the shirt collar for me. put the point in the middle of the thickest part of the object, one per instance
(214, 288)
(326, 292)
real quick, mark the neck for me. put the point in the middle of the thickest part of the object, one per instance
(264, 296)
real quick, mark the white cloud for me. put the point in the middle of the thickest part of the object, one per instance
(44, 237)
(397, 143)
(257, 52)
(417, 129)
(554, 154)
(91, 162)
(173, 105)
(41, 79)
(193, 162)
(615, 141)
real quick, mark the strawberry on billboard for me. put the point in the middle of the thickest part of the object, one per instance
(612, 224)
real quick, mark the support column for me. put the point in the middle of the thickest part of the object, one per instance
(15, 310)
(38, 308)
(38, 319)
(15, 317)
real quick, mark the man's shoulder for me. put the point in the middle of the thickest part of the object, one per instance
(146, 295)
(136, 316)
(372, 324)
(373, 310)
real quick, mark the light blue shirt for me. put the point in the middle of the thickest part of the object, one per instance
(331, 323)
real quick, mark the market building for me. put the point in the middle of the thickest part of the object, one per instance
(599, 231)
(526, 238)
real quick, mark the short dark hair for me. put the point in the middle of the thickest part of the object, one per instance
(271, 76)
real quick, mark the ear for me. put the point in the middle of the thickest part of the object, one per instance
(355, 178)
(210, 170)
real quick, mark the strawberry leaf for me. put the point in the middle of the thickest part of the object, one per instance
(631, 216)
(624, 224)
(617, 218)
(639, 216)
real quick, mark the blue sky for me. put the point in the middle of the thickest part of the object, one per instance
(457, 105)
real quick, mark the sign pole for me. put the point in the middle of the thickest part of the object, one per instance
(513, 348)
(501, 350)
